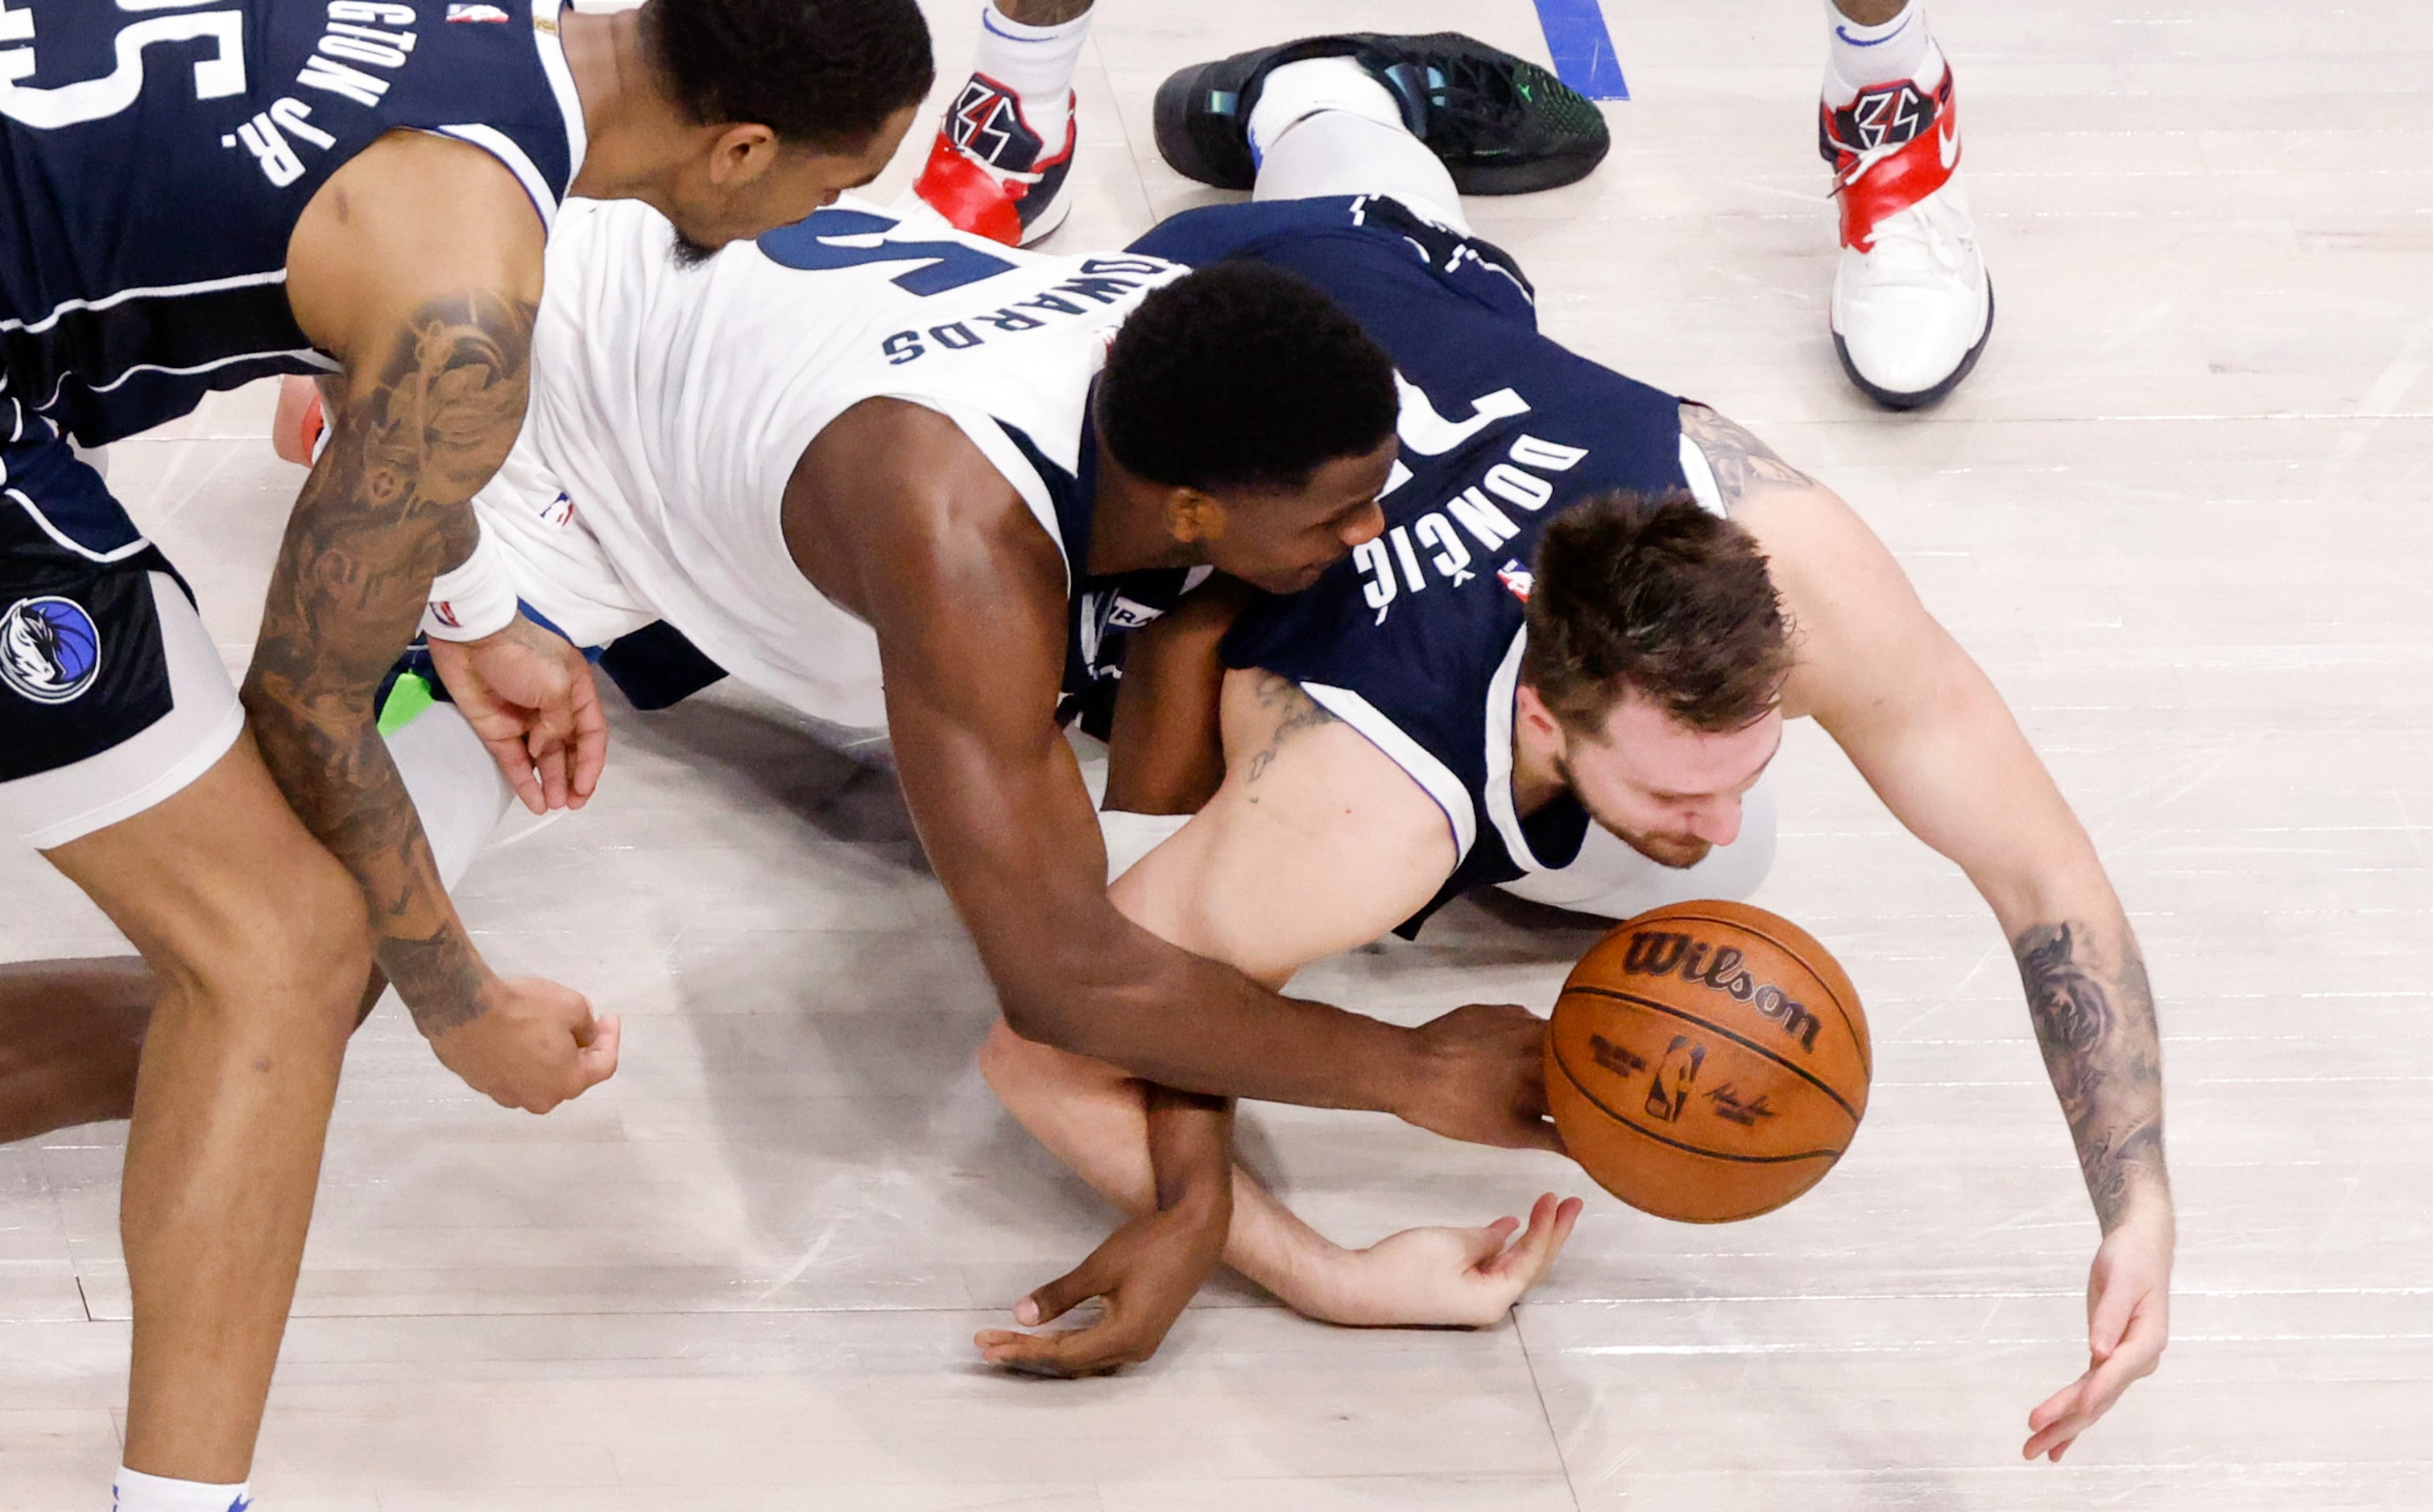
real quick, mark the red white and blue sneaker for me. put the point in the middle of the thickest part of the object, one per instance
(1913, 307)
(993, 171)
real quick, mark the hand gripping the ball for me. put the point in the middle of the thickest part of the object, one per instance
(1483, 1078)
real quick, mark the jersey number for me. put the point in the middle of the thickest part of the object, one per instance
(216, 76)
(815, 245)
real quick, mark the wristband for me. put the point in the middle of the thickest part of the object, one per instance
(474, 599)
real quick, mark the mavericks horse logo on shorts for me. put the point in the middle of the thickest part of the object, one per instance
(50, 650)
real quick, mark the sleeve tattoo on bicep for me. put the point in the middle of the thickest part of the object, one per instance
(1744, 466)
(2096, 1028)
(385, 510)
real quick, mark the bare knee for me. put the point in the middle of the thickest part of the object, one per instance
(294, 955)
(1018, 1069)
(231, 901)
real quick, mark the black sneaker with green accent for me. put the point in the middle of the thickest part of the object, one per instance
(1502, 124)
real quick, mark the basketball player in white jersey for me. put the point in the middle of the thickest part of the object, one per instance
(861, 465)
(1394, 739)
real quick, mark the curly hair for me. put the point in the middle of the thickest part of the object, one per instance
(1656, 596)
(1241, 375)
(822, 74)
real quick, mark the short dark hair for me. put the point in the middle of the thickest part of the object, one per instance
(1658, 596)
(822, 74)
(1240, 375)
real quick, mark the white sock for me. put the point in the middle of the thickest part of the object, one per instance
(1860, 58)
(138, 1492)
(1036, 63)
(1296, 91)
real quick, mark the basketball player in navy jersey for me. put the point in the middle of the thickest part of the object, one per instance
(197, 195)
(1563, 668)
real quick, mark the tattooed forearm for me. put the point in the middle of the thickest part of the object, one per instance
(384, 511)
(1296, 711)
(2094, 1016)
(1745, 465)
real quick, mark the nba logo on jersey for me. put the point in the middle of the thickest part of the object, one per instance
(1516, 579)
(492, 14)
(50, 650)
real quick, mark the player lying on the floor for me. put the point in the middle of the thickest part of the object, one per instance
(857, 448)
(1562, 668)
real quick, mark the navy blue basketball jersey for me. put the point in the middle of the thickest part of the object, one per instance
(155, 155)
(1416, 639)
(1104, 610)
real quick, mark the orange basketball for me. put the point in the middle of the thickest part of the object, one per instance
(1707, 1061)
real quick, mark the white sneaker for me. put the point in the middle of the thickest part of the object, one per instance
(1913, 307)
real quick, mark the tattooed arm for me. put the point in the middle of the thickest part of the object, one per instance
(432, 317)
(1314, 841)
(1930, 733)
(2094, 1017)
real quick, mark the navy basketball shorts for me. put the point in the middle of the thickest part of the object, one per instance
(113, 697)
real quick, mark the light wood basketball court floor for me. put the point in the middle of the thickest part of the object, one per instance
(2180, 514)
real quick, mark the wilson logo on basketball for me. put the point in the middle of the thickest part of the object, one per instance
(1662, 953)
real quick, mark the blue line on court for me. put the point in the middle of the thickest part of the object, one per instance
(1583, 49)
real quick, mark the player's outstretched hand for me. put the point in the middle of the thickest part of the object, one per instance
(1147, 1271)
(1484, 1079)
(2128, 1322)
(531, 698)
(534, 1046)
(1435, 1278)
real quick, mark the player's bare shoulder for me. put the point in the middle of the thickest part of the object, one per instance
(1292, 756)
(1263, 713)
(1851, 602)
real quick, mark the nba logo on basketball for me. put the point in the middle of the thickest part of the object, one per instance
(1669, 1092)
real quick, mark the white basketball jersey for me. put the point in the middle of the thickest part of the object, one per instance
(672, 403)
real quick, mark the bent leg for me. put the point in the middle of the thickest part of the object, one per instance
(258, 941)
(70, 1035)
(71, 1031)
(1325, 127)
